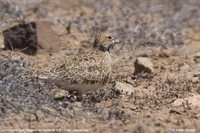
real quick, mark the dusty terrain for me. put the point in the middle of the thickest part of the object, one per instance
(164, 96)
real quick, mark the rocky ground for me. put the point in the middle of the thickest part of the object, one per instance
(156, 67)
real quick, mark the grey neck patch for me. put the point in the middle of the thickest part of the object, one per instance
(102, 48)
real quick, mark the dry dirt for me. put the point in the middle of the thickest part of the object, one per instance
(167, 32)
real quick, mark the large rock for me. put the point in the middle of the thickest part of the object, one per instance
(22, 37)
(143, 64)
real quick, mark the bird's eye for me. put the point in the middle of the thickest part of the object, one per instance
(109, 37)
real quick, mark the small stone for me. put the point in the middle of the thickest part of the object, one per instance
(196, 57)
(59, 93)
(193, 100)
(124, 88)
(165, 53)
(143, 64)
(195, 79)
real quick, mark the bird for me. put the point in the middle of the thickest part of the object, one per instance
(86, 71)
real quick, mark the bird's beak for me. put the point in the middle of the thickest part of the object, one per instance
(115, 41)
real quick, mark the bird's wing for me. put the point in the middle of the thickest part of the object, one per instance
(89, 67)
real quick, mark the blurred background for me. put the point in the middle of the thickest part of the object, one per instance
(136, 22)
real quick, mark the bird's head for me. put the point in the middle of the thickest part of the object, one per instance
(104, 41)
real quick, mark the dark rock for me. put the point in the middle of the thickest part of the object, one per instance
(22, 37)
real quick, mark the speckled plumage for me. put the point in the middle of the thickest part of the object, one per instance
(85, 71)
